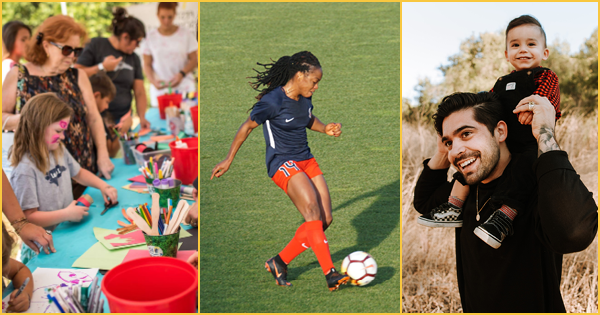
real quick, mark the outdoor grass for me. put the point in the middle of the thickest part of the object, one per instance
(245, 218)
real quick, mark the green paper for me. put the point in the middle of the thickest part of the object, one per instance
(100, 233)
(98, 256)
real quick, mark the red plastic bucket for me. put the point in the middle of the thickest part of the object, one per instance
(186, 160)
(165, 100)
(152, 285)
(194, 113)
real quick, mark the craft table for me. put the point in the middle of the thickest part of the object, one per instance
(71, 240)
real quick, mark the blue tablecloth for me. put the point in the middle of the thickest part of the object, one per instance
(71, 240)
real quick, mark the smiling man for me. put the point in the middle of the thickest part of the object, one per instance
(561, 215)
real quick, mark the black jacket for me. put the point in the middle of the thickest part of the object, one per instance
(523, 275)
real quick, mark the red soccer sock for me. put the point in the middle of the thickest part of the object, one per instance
(318, 243)
(296, 246)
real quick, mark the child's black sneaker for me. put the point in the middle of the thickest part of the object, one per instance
(335, 279)
(495, 229)
(444, 215)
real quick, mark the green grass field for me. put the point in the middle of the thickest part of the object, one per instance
(245, 217)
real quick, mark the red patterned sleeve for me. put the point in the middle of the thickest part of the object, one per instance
(547, 85)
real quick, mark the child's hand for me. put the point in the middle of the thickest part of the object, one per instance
(75, 212)
(525, 118)
(109, 193)
(20, 304)
(333, 129)
(193, 260)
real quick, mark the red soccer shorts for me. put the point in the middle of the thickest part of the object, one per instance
(291, 168)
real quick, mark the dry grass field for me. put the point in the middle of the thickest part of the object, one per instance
(428, 255)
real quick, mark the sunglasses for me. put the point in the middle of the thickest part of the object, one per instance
(67, 50)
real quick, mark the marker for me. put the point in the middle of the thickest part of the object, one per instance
(22, 287)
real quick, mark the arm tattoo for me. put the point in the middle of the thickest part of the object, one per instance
(546, 141)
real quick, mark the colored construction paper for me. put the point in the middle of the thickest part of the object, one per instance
(144, 131)
(112, 240)
(137, 190)
(138, 185)
(139, 179)
(138, 253)
(48, 278)
(99, 257)
(162, 138)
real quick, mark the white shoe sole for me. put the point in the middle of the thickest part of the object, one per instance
(442, 224)
(487, 238)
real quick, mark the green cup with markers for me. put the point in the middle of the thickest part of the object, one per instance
(162, 245)
(167, 189)
(159, 225)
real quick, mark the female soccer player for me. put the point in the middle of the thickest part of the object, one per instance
(284, 108)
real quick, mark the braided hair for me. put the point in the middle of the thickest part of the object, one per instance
(278, 73)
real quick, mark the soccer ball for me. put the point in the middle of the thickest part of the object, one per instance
(361, 268)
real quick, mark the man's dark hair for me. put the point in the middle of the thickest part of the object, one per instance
(487, 109)
(523, 20)
(101, 83)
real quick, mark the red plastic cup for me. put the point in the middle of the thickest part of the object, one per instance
(166, 100)
(194, 113)
(152, 285)
(186, 160)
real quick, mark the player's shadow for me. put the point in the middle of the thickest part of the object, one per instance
(373, 225)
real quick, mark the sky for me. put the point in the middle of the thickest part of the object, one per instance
(432, 32)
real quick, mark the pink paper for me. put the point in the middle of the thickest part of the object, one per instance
(143, 253)
(132, 238)
(139, 179)
(144, 131)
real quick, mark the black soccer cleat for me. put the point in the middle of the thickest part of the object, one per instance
(495, 229)
(334, 279)
(445, 215)
(279, 270)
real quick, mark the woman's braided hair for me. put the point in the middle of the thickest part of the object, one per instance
(278, 73)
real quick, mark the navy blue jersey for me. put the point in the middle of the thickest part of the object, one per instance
(284, 123)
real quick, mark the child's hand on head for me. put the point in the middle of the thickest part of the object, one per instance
(525, 118)
(19, 304)
(109, 193)
(75, 212)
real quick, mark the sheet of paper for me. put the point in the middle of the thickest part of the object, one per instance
(137, 190)
(99, 257)
(112, 240)
(49, 277)
(139, 179)
(138, 253)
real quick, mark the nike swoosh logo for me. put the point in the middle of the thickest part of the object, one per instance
(304, 245)
(277, 272)
(288, 120)
(325, 241)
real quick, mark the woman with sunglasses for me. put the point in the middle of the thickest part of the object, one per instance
(115, 56)
(50, 55)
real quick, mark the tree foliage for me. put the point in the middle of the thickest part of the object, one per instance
(95, 16)
(481, 61)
